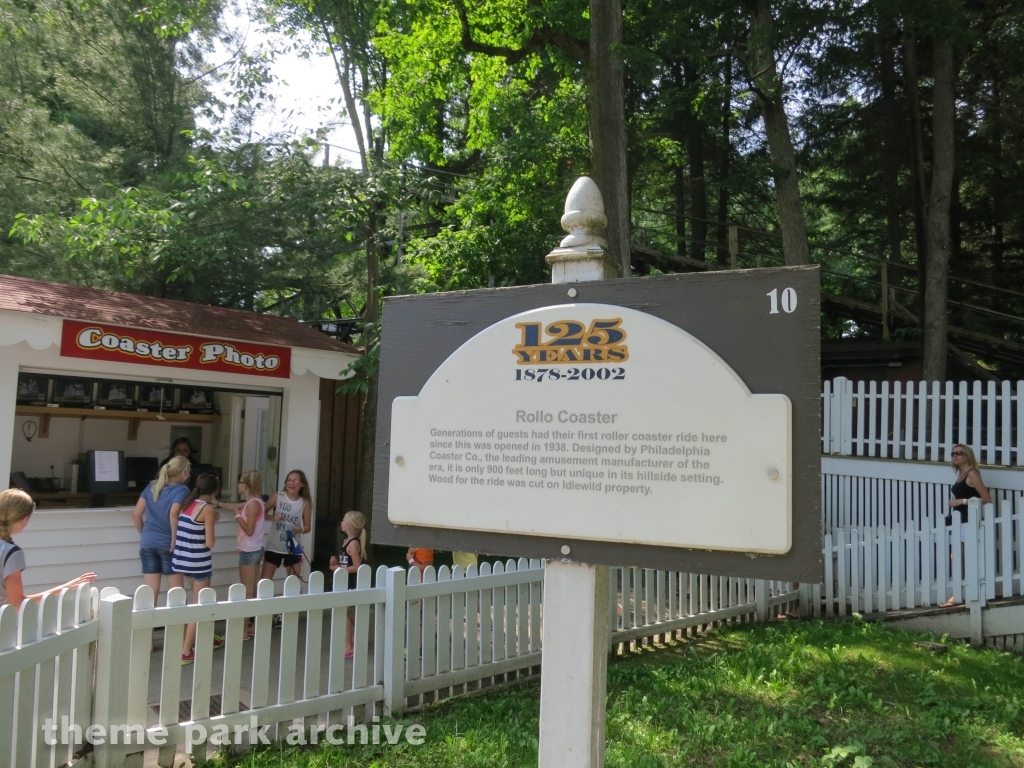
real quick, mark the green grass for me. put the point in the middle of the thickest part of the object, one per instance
(786, 694)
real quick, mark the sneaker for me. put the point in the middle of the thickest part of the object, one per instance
(218, 641)
(278, 621)
(188, 658)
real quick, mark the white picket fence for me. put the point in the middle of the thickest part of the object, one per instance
(46, 671)
(886, 568)
(923, 421)
(88, 656)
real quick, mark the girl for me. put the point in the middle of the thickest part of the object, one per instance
(292, 513)
(16, 507)
(154, 514)
(193, 541)
(249, 514)
(353, 552)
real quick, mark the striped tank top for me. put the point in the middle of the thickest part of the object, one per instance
(191, 555)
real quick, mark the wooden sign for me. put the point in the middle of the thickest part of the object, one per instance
(668, 422)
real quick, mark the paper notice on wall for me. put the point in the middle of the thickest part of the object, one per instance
(108, 467)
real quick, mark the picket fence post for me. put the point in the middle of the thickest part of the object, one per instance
(113, 650)
(760, 600)
(973, 563)
(394, 642)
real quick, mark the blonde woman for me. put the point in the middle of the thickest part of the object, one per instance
(968, 485)
(16, 507)
(353, 553)
(156, 519)
(249, 514)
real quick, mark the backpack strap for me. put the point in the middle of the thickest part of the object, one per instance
(7, 557)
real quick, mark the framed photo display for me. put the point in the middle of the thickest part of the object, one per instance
(115, 394)
(73, 392)
(33, 389)
(195, 399)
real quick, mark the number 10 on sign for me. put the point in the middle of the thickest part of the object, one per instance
(788, 301)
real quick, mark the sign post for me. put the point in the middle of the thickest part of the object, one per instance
(669, 422)
(574, 675)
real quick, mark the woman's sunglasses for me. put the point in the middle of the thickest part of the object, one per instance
(958, 453)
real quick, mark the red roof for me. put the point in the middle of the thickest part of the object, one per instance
(76, 302)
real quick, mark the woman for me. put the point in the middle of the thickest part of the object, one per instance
(156, 515)
(182, 447)
(968, 485)
(249, 515)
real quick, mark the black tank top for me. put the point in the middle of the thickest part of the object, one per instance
(345, 561)
(961, 490)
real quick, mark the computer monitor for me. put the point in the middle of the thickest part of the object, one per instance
(140, 470)
(105, 472)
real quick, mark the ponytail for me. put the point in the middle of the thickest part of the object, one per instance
(206, 485)
(15, 505)
(358, 522)
(174, 468)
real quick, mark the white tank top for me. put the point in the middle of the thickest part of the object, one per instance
(277, 539)
(252, 543)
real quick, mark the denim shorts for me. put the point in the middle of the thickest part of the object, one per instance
(156, 560)
(198, 576)
(250, 558)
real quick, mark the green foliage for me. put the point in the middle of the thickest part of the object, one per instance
(474, 120)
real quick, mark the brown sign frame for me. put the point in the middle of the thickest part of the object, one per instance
(730, 312)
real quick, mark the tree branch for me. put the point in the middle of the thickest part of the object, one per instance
(568, 44)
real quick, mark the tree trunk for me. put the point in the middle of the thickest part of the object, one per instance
(608, 124)
(917, 157)
(765, 77)
(368, 416)
(996, 187)
(679, 192)
(698, 186)
(341, 67)
(723, 169)
(935, 288)
(894, 142)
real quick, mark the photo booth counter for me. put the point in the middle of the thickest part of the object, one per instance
(97, 387)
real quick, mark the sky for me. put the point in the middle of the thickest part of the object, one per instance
(303, 91)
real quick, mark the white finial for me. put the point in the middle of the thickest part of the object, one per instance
(583, 254)
(584, 217)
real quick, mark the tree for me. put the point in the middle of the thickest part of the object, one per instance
(937, 274)
(767, 83)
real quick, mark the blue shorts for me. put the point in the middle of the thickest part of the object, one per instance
(197, 576)
(156, 560)
(250, 558)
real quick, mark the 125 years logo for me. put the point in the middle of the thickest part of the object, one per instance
(570, 341)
